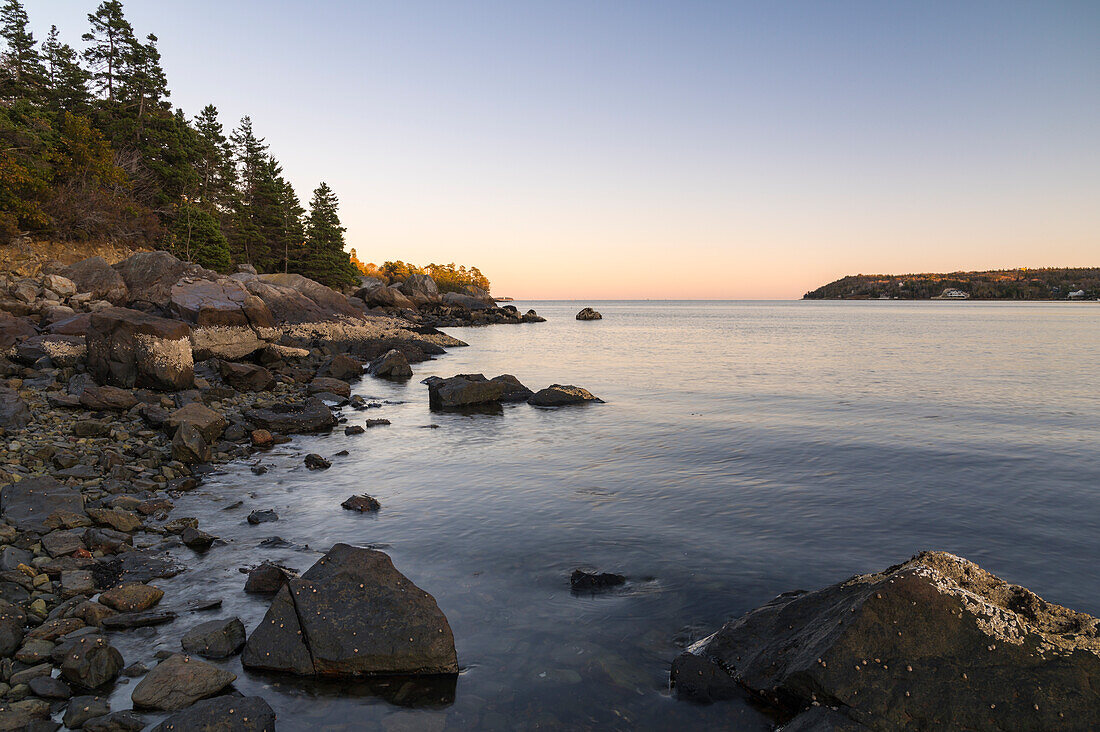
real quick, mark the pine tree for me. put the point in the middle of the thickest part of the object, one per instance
(196, 237)
(215, 163)
(146, 84)
(112, 39)
(66, 79)
(23, 74)
(325, 259)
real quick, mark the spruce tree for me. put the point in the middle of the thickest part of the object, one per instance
(146, 84)
(66, 79)
(215, 163)
(112, 39)
(23, 74)
(325, 259)
(196, 237)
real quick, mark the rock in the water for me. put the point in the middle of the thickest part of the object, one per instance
(268, 578)
(188, 445)
(14, 414)
(362, 503)
(130, 349)
(514, 391)
(355, 429)
(464, 390)
(352, 614)
(209, 423)
(316, 462)
(107, 398)
(581, 580)
(246, 376)
(95, 276)
(589, 314)
(341, 367)
(324, 384)
(934, 643)
(83, 708)
(179, 681)
(262, 517)
(28, 503)
(390, 365)
(196, 538)
(131, 597)
(310, 416)
(558, 395)
(215, 638)
(124, 721)
(222, 714)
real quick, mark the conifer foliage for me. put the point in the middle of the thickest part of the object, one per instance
(92, 149)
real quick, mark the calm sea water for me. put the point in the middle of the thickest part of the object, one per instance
(745, 449)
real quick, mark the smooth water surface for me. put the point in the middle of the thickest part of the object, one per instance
(745, 449)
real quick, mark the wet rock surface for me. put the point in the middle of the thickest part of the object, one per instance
(215, 638)
(589, 314)
(933, 643)
(352, 614)
(558, 395)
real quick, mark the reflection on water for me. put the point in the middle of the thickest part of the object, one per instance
(745, 449)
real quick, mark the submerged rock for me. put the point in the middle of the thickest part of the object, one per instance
(934, 643)
(362, 503)
(352, 614)
(557, 395)
(581, 580)
(314, 461)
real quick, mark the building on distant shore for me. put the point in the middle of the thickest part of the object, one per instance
(952, 293)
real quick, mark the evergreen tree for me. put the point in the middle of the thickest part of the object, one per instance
(325, 259)
(196, 237)
(23, 74)
(246, 235)
(214, 165)
(113, 41)
(146, 85)
(66, 79)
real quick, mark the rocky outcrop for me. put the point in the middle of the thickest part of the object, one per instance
(559, 395)
(229, 321)
(467, 302)
(149, 277)
(309, 416)
(464, 390)
(246, 376)
(390, 365)
(14, 330)
(352, 614)
(934, 643)
(420, 288)
(128, 348)
(286, 305)
(215, 638)
(381, 296)
(589, 314)
(328, 300)
(93, 275)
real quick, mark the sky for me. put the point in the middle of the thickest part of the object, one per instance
(607, 149)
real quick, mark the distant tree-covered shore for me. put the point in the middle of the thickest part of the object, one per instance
(1001, 284)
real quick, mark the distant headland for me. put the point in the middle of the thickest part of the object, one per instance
(1074, 283)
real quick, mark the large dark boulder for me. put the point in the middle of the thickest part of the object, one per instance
(90, 661)
(94, 275)
(230, 322)
(934, 643)
(467, 302)
(559, 395)
(286, 305)
(464, 390)
(178, 682)
(107, 398)
(352, 614)
(27, 504)
(309, 416)
(215, 638)
(209, 423)
(14, 414)
(222, 714)
(12, 620)
(149, 276)
(390, 365)
(130, 349)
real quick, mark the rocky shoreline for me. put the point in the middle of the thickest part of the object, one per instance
(124, 386)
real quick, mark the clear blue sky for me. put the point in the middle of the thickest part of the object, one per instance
(639, 149)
